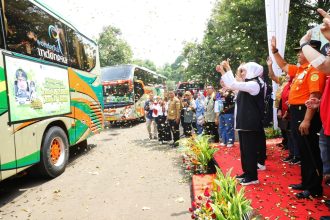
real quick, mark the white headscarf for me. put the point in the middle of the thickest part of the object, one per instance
(254, 70)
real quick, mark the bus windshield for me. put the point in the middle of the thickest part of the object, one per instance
(117, 93)
(116, 73)
(190, 86)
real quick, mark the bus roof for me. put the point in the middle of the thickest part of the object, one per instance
(124, 71)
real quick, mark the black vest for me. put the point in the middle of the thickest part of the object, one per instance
(250, 109)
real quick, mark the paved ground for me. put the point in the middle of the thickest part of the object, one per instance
(121, 175)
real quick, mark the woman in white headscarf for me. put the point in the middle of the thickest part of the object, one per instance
(249, 117)
(200, 108)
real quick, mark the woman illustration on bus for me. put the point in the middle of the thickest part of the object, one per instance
(22, 90)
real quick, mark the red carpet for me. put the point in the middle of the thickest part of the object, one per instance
(272, 197)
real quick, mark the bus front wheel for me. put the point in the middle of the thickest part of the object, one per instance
(54, 152)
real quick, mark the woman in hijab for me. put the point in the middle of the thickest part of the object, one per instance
(200, 112)
(249, 117)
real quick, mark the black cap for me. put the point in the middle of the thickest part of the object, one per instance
(314, 43)
(21, 73)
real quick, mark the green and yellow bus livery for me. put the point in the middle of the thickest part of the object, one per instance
(51, 95)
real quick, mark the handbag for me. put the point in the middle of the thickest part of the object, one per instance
(188, 116)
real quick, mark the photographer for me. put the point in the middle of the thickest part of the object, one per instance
(189, 114)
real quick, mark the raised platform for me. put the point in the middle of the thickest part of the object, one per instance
(272, 197)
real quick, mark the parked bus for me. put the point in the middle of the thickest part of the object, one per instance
(125, 90)
(50, 88)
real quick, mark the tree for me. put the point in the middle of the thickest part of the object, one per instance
(237, 30)
(146, 63)
(232, 32)
(175, 71)
(113, 49)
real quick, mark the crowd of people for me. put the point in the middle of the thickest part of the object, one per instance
(303, 113)
(211, 113)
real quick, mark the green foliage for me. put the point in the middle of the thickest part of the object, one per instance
(206, 152)
(237, 30)
(113, 49)
(272, 133)
(228, 203)
(232, 32)
(175, 71)
(197, 152)
(146, 63)
(224, 201)
(171, 85)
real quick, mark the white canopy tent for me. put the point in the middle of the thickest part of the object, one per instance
(277, 14)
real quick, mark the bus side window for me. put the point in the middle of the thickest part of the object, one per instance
(32, 31)
(138, 90)
(82, 52)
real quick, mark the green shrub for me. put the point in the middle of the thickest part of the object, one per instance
(197, 153)
(272, 133)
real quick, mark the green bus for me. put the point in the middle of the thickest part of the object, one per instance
(125, 90)
(50, 89)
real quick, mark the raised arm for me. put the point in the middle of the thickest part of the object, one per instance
(251, 87)
(278, 58)
(325, 28)
(315, 58)
(230, 82)
(271, 73)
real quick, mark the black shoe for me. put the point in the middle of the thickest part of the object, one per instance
(327, 182)
(325, 218)
(327, 203)
(295, 160)
(280, 145)
(175, 144)
(307, 195)
(240, 177)
(288, 159)
(249, 181)
(296, 186)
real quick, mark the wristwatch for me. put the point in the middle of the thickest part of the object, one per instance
(304, 44)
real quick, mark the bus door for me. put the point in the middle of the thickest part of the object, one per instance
(139, 98)
(7, 146)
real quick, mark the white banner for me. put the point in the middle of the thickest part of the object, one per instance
(277, 14)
